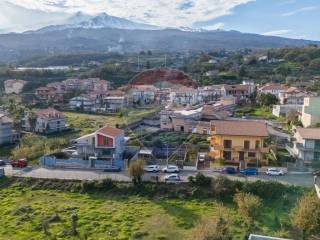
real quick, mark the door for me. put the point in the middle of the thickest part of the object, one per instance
(241, 156)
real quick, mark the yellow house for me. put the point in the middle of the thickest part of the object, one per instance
(239, 142)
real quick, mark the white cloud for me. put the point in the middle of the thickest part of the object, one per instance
(216, 26)
(157, 12)
(277, 32)
(304, 9)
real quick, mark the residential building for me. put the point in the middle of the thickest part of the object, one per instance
(115, 100)
(184, 96)
(306, 144)
(239, 91)
(194, 120)
(239, 142)
(44, 94)
(14, 86)
(83, 103)
(6, 132)
(180, 120)
(106, 143)
(47, 121)
(210, 93)
(293, 96)
(59, 86)
(143, 94)
(273, 88)
(279, 110)
(311, 111)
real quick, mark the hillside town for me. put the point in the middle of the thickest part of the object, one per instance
(230, 138)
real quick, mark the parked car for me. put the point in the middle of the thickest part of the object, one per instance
(274, 172)
(112, 169)
(152, 168)
(20, 163)
(171, 169)
(229, 170)
(249, 171)
(2, 163)
(172, 178)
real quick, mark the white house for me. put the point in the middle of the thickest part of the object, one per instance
(14, 86)
(272, 88)
(47, 121)
(307, 144)
(311, 111)
(84, 102)
(106, 143)
(184, 96)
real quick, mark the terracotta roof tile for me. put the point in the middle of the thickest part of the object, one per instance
(240, 128)
(111, 131)
(309, 133)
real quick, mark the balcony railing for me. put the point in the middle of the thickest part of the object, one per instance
(240, 148)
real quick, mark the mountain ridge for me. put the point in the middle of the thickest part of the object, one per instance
(102, 40)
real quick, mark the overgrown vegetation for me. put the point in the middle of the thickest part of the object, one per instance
(40, 208)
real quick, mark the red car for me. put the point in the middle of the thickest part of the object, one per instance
(21, 163)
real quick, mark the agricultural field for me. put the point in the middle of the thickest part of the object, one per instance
(44, 210)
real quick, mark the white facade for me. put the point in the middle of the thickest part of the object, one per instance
(14, 86)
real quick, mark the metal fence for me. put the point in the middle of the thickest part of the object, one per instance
(52, 161)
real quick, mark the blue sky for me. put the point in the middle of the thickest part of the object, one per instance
(286, 18)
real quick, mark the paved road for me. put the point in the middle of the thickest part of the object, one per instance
(73, 174)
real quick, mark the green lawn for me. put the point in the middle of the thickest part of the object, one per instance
(122, 214)
(255, 112)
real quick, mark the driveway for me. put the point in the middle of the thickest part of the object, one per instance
(305, 180)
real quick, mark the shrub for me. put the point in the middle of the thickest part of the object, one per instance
(200, 180)
(265, 190)
(136, 171)
(306, 215)
(248, 206)
(213, 227)
(222, 186)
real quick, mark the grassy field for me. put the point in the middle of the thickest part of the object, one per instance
(120, 214)
(87, 123)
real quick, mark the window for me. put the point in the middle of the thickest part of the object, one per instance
(227, 155)
(317, 144)
(251, 154)
(257, 144)
(246, 144)
(227, 144)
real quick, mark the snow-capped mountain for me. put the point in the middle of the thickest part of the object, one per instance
(103, 20)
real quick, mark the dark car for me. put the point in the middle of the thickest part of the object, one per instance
(2, 163)
(229, 170)
(249, 171)
(112, 169)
